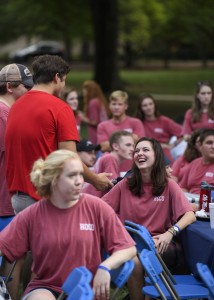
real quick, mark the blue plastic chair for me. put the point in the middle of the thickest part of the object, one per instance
(78, 276)
(144, 240)
(81, 292)
(4, 221)
(161, 286)
(121, 275)
(207, 277)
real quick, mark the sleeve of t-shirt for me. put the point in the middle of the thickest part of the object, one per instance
(183, 183)
(102, 134)
(14, 241)
(138, 128)
(108, 165)
(2, 135)
(187, 128)
(66, 125)
(173, 127)
(114, 236)
(176, 166)
(113, 197)
(94, 108)
(180, 204)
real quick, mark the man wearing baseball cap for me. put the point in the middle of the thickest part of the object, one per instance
(86, 151)
(15, 80)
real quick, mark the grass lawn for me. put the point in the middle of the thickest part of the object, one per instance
(180, 82)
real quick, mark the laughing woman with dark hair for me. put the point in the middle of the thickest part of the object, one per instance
(150, 198)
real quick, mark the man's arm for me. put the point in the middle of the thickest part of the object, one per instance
(99, 181)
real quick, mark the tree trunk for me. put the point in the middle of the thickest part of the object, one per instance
(105, 22)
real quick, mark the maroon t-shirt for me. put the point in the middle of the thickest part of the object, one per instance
(63, 239)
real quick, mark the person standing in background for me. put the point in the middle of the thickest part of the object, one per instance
(95, 108)
(201, 115)
(72, 99)
(15, 80)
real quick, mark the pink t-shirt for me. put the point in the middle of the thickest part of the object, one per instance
(37, 122)
(178, 167)
(106, 163)
(156, 213)
(6, 208)
(189, 126)
(162, 129)
(63, 239)
(96, 112)
(105, 129)
(196, 172)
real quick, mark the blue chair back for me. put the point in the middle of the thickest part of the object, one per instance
(121, 275)
(207, 277)
(81, 292)
(151, 264)
(77, 276)
(142, 238)
(4, 221)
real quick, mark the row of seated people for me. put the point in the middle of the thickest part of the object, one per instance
(148, 120)
(149, 175)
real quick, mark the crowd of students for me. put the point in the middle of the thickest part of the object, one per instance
(42, 177)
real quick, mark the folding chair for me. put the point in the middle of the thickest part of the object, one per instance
(121, 275)
(3, 223)
(78, 276)
(164, 288)
(81, 292)
(144, 240)
(207, 277)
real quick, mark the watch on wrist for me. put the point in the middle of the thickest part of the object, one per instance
(176, 229)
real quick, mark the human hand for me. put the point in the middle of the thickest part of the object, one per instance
(82, 116)
(103, 182)
(101, 285)
(162, 241)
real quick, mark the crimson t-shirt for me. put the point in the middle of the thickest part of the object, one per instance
(63, 239)
(37, 122)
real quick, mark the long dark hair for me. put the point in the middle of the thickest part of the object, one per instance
(158, 174)
(196, 105)
(140, 114)
(191, 151)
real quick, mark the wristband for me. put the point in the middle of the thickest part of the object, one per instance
(103, 268)
(178, 228)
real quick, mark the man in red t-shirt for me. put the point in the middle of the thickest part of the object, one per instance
(38, 124)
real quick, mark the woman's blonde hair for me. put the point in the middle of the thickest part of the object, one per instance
(45, 172)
